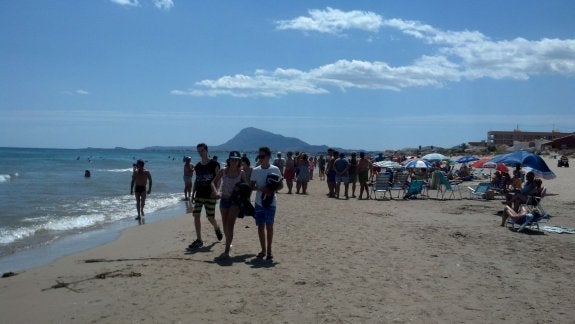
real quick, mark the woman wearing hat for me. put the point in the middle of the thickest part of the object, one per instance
(224, 184)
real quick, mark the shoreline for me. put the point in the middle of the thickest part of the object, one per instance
(69, 244)
(423, 261)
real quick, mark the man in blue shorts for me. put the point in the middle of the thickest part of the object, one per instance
(265, 207)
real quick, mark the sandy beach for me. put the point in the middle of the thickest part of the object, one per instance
(420, 261)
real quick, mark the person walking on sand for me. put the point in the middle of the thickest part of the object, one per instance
(280, 162)
(363, 175)
(265, 208)
(188, 175)
(228, 177)
(289, 172)
(303, 174)
(140, 177)
(204, 196)
(321, 165)
(330, 172)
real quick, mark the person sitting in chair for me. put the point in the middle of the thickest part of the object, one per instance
(529, 188)
(522, 217)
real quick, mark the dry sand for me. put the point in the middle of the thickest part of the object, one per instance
(422, 261)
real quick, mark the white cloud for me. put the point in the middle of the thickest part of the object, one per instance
(82, 92)
(456, 55)
(160, 4)
(164, 4)
(333, 21)
(131, 3)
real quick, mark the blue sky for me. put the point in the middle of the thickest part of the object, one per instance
(353, 74)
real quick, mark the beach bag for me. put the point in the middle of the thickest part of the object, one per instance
(489, 195)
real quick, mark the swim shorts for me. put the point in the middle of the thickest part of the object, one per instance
(363, 176)
(265, 215)
(140, 189)
(343, 179)
(289, 174)
(227, 203)
(209, 204)
(331, 176)
(187, 179)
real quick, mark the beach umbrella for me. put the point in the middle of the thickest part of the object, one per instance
(434, 157)
(497, 166)
(479, 163)
(526, 159)
(418, 164)
(466, 159)
(388, 165)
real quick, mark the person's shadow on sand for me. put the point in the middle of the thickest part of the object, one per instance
(228, 261)
(205, 248)
(258, 263)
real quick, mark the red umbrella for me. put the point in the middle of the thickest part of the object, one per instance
(479, 163)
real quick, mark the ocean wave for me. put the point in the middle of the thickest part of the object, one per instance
(7, 177)
(94, 213)
(116, 170)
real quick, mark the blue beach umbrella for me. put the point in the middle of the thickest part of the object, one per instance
(418, 164)
(466, 159)
(526, 159)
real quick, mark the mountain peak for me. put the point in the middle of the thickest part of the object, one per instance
(251, 138)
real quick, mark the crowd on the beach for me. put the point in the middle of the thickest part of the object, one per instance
(234, 183)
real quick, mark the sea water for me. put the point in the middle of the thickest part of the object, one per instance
(48, 206)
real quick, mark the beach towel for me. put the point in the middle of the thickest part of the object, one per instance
(558, 229)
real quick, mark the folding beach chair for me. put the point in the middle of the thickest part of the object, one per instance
(446, 185)
(415, 188)
(530, 220)
(479, 191)
(534, 201)
(399, 183)
(381, 185)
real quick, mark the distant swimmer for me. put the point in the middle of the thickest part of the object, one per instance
(87, 173)
(140, 178)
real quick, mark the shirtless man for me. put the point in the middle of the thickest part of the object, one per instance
(363, 174)
(140, 178)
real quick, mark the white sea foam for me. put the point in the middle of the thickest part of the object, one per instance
(116, 170)
(5, 177)
(96, 212)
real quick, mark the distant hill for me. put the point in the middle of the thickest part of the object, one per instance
(251, 138)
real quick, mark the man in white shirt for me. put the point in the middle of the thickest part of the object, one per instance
(265, 206)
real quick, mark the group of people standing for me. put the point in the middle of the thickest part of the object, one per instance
(341, 170)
